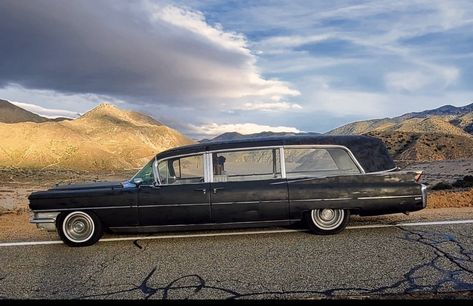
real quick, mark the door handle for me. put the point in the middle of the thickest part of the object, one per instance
(217, 189)
(201, 190)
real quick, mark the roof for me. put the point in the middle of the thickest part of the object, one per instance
(369, 151)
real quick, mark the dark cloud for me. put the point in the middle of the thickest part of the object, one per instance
(124, 51)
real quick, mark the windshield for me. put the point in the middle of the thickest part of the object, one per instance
(146, 174)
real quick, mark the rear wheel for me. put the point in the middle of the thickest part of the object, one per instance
(327, 221)
(79, 228)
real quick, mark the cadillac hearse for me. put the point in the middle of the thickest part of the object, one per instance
(253, 182)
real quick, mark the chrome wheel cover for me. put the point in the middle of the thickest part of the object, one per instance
(78, 227)
(327, 219)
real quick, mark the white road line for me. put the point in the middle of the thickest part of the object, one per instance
(27, 243)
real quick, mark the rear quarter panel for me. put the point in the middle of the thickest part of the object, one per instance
(364, 194)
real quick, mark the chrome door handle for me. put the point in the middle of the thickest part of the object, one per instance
(202, 190)
(217, 189)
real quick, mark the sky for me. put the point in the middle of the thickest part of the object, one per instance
(209, 67)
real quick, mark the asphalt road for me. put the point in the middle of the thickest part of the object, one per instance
(405, 261)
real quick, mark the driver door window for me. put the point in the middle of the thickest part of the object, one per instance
(184, 170)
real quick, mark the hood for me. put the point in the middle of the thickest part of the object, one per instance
(74, 189)
(96, 185)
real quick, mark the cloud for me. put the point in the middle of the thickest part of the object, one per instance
(46, 112)
(281, 44)
(269, 106)
(416, 80)
(142, 52)
(214, 129)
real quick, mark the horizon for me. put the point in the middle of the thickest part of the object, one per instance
(31, 108)
(268, 66)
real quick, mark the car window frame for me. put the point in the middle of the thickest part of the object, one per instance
(156, 163)
(281, 165)
(344, 148)
(208, 163)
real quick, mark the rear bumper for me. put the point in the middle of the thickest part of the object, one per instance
(424, 195)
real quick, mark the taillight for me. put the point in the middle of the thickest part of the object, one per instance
(418, 176)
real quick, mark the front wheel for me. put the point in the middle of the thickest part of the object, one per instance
(327, 221)
(79, 228)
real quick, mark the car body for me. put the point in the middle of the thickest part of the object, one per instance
(255, 182)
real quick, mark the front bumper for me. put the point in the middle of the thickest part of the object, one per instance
(44, 220)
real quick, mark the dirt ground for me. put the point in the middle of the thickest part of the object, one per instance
(441, 170)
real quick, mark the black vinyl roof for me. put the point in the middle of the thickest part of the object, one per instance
(369, 151)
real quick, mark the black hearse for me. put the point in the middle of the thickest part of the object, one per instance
(268, 181)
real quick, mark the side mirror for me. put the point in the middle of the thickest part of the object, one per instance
(138, 181)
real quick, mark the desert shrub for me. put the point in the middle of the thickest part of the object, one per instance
(442, 186)
(466, 182)
(468, 178)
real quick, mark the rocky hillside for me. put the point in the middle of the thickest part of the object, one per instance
(10, 113)
(439, 134)
(104, 138)
(447, 119)
(408, 146)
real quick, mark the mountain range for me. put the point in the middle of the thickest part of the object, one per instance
(447, 119)
(106, 137)
(437, 134)
(236, 135)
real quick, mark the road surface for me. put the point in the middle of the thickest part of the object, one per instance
(375, 258)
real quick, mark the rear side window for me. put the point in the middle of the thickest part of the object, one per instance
(317, 162)
(246, 165)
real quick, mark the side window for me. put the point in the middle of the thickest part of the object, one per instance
(313, 162)
(184, 170)
(246, 165)
(146, 174)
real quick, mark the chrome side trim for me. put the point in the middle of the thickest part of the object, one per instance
(84, 208)
(43, 220)
(172, 205)
(245, 149)
(384, 171)
(250, 202)
(318, 200)
(389, 197)
(205, 224)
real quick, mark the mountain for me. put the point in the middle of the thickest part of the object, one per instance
(406, 146)
(446, 110)
(10, 113)
(446, 119)
(104, 138)
(437, 134)
(236, 135)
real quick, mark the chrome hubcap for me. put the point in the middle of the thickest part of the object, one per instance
(327, 214)
(327, 219)
(78, 227)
